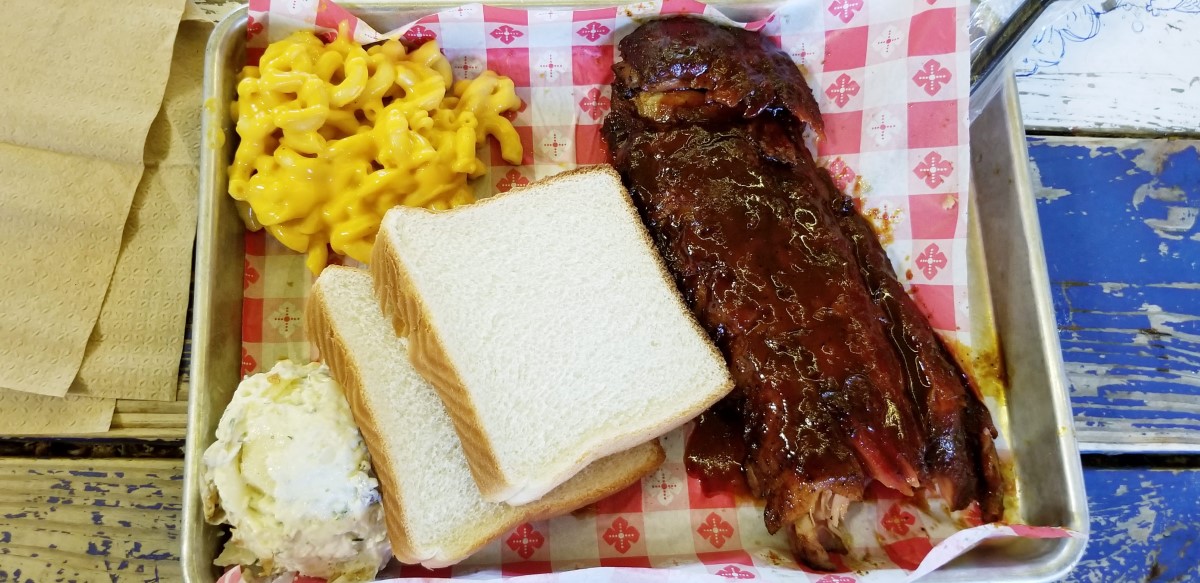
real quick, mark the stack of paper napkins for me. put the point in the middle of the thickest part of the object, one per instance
(97, 198)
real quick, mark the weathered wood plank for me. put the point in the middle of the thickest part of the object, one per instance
(1123, 248)
(90, 520)
(147, 420)
(1145, 526)
(1112, 66)
(151, 407)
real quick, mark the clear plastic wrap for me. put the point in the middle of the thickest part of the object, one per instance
(996, 27)
(988, 17)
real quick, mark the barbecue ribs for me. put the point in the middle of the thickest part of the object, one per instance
(840, 378)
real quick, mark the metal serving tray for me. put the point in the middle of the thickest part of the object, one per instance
(1005, 238)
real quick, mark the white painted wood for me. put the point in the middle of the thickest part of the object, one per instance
(1113, 66)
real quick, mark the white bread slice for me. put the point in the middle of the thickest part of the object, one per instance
(435, 514)
(549, 326)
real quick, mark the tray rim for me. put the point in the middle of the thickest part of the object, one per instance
(212, 195)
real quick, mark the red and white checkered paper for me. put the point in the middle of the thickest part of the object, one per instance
(956, 544)
(891, 77)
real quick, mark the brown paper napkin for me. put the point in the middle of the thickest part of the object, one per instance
(83, 81)
(85, 78)
(134, 351)
(29, 414)
(63, 216)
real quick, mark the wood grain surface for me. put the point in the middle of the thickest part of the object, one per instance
(90, 520)
(1145, 526)
(1119, 225)
(1112, 67)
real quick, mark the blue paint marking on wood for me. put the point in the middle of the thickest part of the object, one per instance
(1122, 239)
(135, 487)
(156, 555)
(100, 550)
(1097, 207)
(1145, 526)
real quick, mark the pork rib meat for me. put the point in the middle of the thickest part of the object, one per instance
(840, 379)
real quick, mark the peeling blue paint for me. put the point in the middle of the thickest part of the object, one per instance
(5, 537)
(134, 488)
(17, 515)
(97, 518)
(1111, 238)
(124, 523)
(156, 555)
(99, 551)
(1145, 526)
(1121, 236)
(87, 474)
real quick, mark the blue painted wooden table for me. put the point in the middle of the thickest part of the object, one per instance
(1144, 526)
(1123, 248)
(1119, 215)
(1118, 220)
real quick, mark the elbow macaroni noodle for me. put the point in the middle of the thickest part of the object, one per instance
(333, 135)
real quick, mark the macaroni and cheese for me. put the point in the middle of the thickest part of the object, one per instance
(333, 135)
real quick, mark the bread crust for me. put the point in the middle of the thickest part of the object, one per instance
(332, 348)
(404, 308)
(334, 351)
(402, 304)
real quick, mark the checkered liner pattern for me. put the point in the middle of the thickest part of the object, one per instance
(891, 77)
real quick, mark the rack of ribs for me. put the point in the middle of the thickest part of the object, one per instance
(840, 378)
